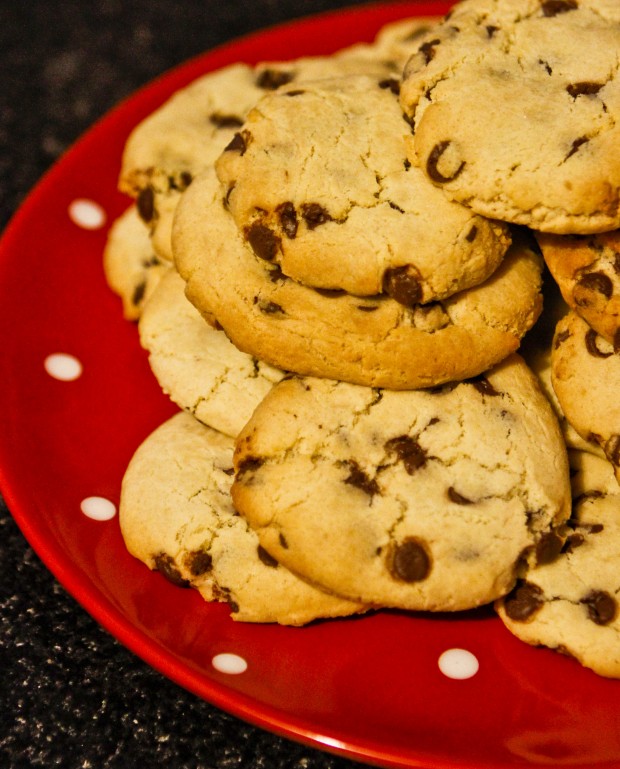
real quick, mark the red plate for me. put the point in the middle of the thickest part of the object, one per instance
(370, 688)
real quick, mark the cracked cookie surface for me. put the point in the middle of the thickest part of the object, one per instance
(196, 364)
(515, 108)
(571, 604)
(587, 270)
(370, 341)
(336, 203)
(413, 499)
(176, 516)
(187, 133)
(585, 373)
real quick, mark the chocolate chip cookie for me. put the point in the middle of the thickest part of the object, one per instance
(587, 270)
(571, 604)
(196, 365)
(376, 341)
(187, 133)
(585, 372)
(132, 268)
(176, 516)
(429, 499)
(336, 204)
(514, 109)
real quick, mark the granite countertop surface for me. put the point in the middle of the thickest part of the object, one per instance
(72, 696)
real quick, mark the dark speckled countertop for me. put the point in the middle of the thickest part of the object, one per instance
(70, 695)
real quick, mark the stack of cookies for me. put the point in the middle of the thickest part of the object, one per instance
(332, 263)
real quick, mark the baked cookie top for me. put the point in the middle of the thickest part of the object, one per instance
(197, 365)
(176, 516)
(132, 268)
(187, 133)
(585, 373)
(587, 270)
(571, 604)
(336, 204)
(373, 341)
(414, 499)
(514, 106)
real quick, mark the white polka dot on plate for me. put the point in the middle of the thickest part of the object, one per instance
(87, 214)
(62, 366)
(98, 508)
(458, 664)
(232, 664)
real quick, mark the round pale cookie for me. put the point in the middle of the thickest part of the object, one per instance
(336, 204)
(131, 267)
(196, 364)
(585, 373)
(429, 500)
(187, 133)
(374, 341)
(587, 270)
(515, 106)
(571, 604)
(176, 516)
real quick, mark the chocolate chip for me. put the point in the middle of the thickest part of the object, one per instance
(548, 547)
(390, 83)
(491, 30)
(165, 564)
(433, 161)
(263, 240)
(524, 601)
(406, 164)
(584, 88)
(546, 65)
(249, 465)
(288, 219)
(483, 386)
(403, 284)
(185, 179)
(314, 214)
(138, 293)
(409, 560)
(270, 79)
(575, 146)
(396, 207)
(408, 451)
(283, 542)
(554, 7)
(296, 92)
(271, 308)
(612, 450)
(590, 340)
(617, 341)
(573, 542)
(199, 562)
(225, 121)
(457, 498)
(471, 235)
(368, 307)
(239, 142)
(601, 606)
(597, 281)
(265, 557)
(561, 337)
(428, 49)
(357, 477)
(146, 204)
